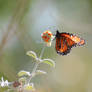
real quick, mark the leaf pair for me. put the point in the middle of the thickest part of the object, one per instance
(46, 61)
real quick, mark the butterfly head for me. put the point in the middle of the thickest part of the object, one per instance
(57, 34)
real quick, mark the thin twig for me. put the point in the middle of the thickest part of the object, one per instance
(36, 65)
(42, 52)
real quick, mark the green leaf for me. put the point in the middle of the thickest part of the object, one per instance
(23, 73)
(32, 54)
(40, 72)
(22, 79)
(49, 62)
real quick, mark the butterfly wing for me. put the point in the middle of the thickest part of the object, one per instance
(61, 46)
(73, 39)
(65, 41)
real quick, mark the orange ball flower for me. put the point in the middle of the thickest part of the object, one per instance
(47, 37)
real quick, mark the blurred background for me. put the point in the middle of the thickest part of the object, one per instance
(21, 25)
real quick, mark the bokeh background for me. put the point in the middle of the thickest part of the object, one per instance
(21, 25)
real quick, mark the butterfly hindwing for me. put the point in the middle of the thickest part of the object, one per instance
(62, 46)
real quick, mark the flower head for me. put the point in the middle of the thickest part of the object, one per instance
(29, 87)
(16, 84)
(47, 37)
(4, 83)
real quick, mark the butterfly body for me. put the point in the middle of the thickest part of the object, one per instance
(65, 41)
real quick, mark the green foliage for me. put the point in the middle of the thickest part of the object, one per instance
(32, 54)
(23, 73)
(40, 72)
(49, 62)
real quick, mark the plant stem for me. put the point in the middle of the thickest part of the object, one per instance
(36, 65)
(42, 52)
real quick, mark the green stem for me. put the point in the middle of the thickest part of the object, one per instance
(42, 52)
(36, 64)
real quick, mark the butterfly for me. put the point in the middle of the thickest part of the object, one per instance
(65, 41)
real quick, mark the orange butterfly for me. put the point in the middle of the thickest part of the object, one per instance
(65, 41)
